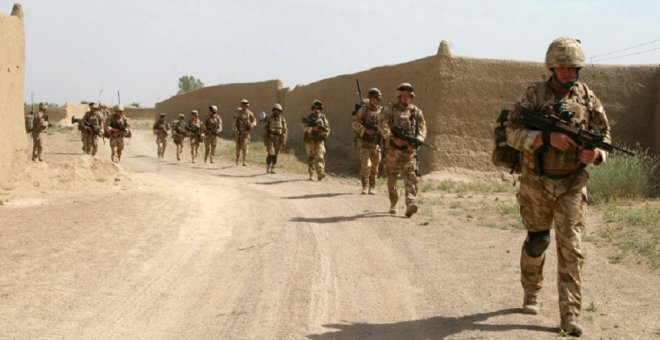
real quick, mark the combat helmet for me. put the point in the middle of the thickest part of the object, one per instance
(213, 108)
(565, 52)
(405, 87)
(119, 107)
(43, 106)
(277, 106)
(317, 103)
(375, 93)
(94, 105)
(181, 115)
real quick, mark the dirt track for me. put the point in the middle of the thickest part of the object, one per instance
(170, 250)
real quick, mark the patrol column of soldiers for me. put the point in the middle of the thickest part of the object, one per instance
(400, 156)
(161, 129)
(179, 134)
(316, 129)
(116, 128)
(275, 135)
(365, 125)
(38, 125)
(212, 128)
(91, 128)
(553, 185)
(195, 134)
(242, 125)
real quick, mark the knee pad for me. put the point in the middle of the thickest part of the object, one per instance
(537, 242)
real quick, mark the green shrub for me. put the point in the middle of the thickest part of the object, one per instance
(625, 177)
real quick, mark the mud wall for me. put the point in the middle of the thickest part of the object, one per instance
(460, 98)
(141, 113)
(13, 141)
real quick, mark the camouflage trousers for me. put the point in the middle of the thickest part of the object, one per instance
(36, 147)
(178, 141)
(315, 158)
(210, 142)
(83, 138)
(400, 162)
(242, 144)
(562, 201)
(274, 144)
(117, 147)
(91, 143)
(161, 142)
(369, 160)
(195, 141)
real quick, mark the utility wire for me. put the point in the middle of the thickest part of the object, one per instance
(624, 49)
(630, 54)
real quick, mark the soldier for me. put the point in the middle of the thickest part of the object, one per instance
(553, 178)
(212, 128)
(242, 125)
(83, 130)
(275, 135)
(195, 134)
(92, 124)
(105, 111)
(365, 125)
(316, 129)
(39, 124)
(179, 134)
(161, 129)
(116, 128)
(400, 156)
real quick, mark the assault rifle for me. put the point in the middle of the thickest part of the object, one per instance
(119, 126)
(398, 132)
(194, 129)
(548, 124)
(314, 123)
(358, 106)
(97, 130)
(75, 120)
(214, 132)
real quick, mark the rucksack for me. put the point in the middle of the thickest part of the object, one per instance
(504, 156)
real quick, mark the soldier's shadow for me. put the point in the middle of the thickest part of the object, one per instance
(432, 328)
(336, 219)
(302, 197)
(282, 181)
(241, 176)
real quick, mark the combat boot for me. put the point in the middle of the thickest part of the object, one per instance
(372, 191)
(530, 305)
(364, 190)
(321, 176)
(411, 210)
(393, 208)
(570, 325)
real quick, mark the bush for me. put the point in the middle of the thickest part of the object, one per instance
(625, 177)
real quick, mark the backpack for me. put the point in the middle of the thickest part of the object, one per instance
(29, 122)
(504, 156)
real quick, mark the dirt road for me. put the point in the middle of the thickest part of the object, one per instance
(159, 249)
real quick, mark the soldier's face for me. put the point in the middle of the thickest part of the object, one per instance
(373, 101)
(405, 98)
(565, 74)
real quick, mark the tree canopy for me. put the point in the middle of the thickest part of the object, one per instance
(188, 84)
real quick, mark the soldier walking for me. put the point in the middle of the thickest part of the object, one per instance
(365, 125)
(179, 134)
(400, 156)
(39, 124)
(316, 129)
(242, 125)
(93, 125)
(161, 129)
(195, 134)
(553, 181)
(212, 128)
(116, 128)
(275, 135)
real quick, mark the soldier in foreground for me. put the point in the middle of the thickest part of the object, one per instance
(116, 128)
(179, 134)
(195, 134)
(92, 124)
(161, 129)
(553, 178)
(365, 125)
(397, 121)
(275, 135)
(242, 125)
(83, 130)
(212, 128)
(316, 128)
(39, 124)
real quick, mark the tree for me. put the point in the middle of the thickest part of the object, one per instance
(188, 84)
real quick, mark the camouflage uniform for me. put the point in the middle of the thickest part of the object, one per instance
(93, 126)
(195, 134)
(242, 125)
(161, 129)
(114, 129)
(275, 135)
(368, 145)
(401, 159)
(39, 124)
(83, 130)
(212, 128)
(315, 140)
(553, 189)
(179, 134)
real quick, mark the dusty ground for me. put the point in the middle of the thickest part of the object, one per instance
(156, 249)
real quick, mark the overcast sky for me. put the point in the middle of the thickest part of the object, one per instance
(75, 48)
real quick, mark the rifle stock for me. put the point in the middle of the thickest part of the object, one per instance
(398, 132)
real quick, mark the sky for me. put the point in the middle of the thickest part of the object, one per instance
(85, 50)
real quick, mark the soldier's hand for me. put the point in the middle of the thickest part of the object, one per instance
(561, 141)
(369, 132)
(589, 156)
(400, 142)
(323, 133)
